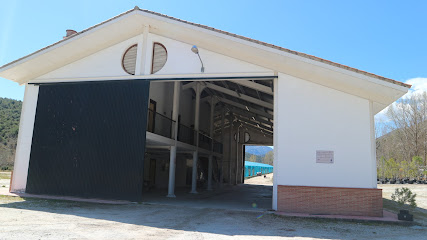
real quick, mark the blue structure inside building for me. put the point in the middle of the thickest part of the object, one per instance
(252, 168)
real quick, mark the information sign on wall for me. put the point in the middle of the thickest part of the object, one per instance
(323, 156)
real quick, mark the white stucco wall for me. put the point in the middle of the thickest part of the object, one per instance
(181, 60)
(310, 117)
(105, 63)
(25, 136)
(162, 93)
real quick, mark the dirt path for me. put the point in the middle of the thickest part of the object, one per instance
(261, 180)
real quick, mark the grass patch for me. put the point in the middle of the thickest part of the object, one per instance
(5, 175)
(420, 214)
(48, 204)
(4, 198)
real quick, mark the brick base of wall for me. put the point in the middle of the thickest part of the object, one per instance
(330, 200)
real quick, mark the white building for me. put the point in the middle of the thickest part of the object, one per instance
(125, 105)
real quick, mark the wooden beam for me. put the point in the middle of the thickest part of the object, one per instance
(241, 96)
(238, 105)
(254, 85)
(189, 85)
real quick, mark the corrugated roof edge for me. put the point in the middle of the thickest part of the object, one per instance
(222, 32)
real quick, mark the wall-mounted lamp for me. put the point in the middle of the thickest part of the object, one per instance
(195, 50)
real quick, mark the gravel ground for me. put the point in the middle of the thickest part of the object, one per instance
(47, 219)
(50, 219)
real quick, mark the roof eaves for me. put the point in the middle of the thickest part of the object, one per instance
(218, 31)
(283, 49)
(65, 39)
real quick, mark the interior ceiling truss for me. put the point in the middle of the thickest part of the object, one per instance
(248, 102)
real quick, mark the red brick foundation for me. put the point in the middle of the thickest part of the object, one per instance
(330, 200)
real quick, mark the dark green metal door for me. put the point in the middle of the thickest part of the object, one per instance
(89, 140)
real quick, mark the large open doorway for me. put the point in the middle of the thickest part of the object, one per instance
(233, 113)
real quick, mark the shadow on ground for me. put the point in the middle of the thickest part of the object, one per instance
(240, 197)
(189, 219)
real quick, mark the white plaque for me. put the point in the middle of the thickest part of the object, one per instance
(324, 156)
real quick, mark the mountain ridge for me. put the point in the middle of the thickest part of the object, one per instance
(258, 150)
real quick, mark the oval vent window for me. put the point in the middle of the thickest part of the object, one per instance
(129, 60)
(160, 55)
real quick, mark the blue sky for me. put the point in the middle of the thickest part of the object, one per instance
(387, 38)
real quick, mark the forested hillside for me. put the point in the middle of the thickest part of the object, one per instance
(258, 150)
(10, 112)
(402, 148)
(260, 154)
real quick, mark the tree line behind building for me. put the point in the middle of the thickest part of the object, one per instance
(10, 112)
(402, 141)
(259, 154)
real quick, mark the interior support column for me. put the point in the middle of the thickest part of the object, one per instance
(221, 173)
(198, 91)
(210, 172)
(172, 160)
(213, 103)
(172, 163)
(230, 141)
(237, 154)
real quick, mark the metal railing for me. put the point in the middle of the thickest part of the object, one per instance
(217, 147)
(205, 141)
(159, 124)
(162, 125)
(186, 134)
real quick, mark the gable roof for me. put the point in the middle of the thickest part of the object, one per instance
(283, 49)
(136, 9)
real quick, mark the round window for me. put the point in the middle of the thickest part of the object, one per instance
(160, 56)
(129, 60)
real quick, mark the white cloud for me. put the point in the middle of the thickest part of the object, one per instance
(381, 116)
(418, 85)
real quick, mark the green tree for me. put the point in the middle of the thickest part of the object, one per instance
(10, 111)
(414, 166)
(404, 196)
(268, 158)
(403, 169)
(252, 158)
(391, 168)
